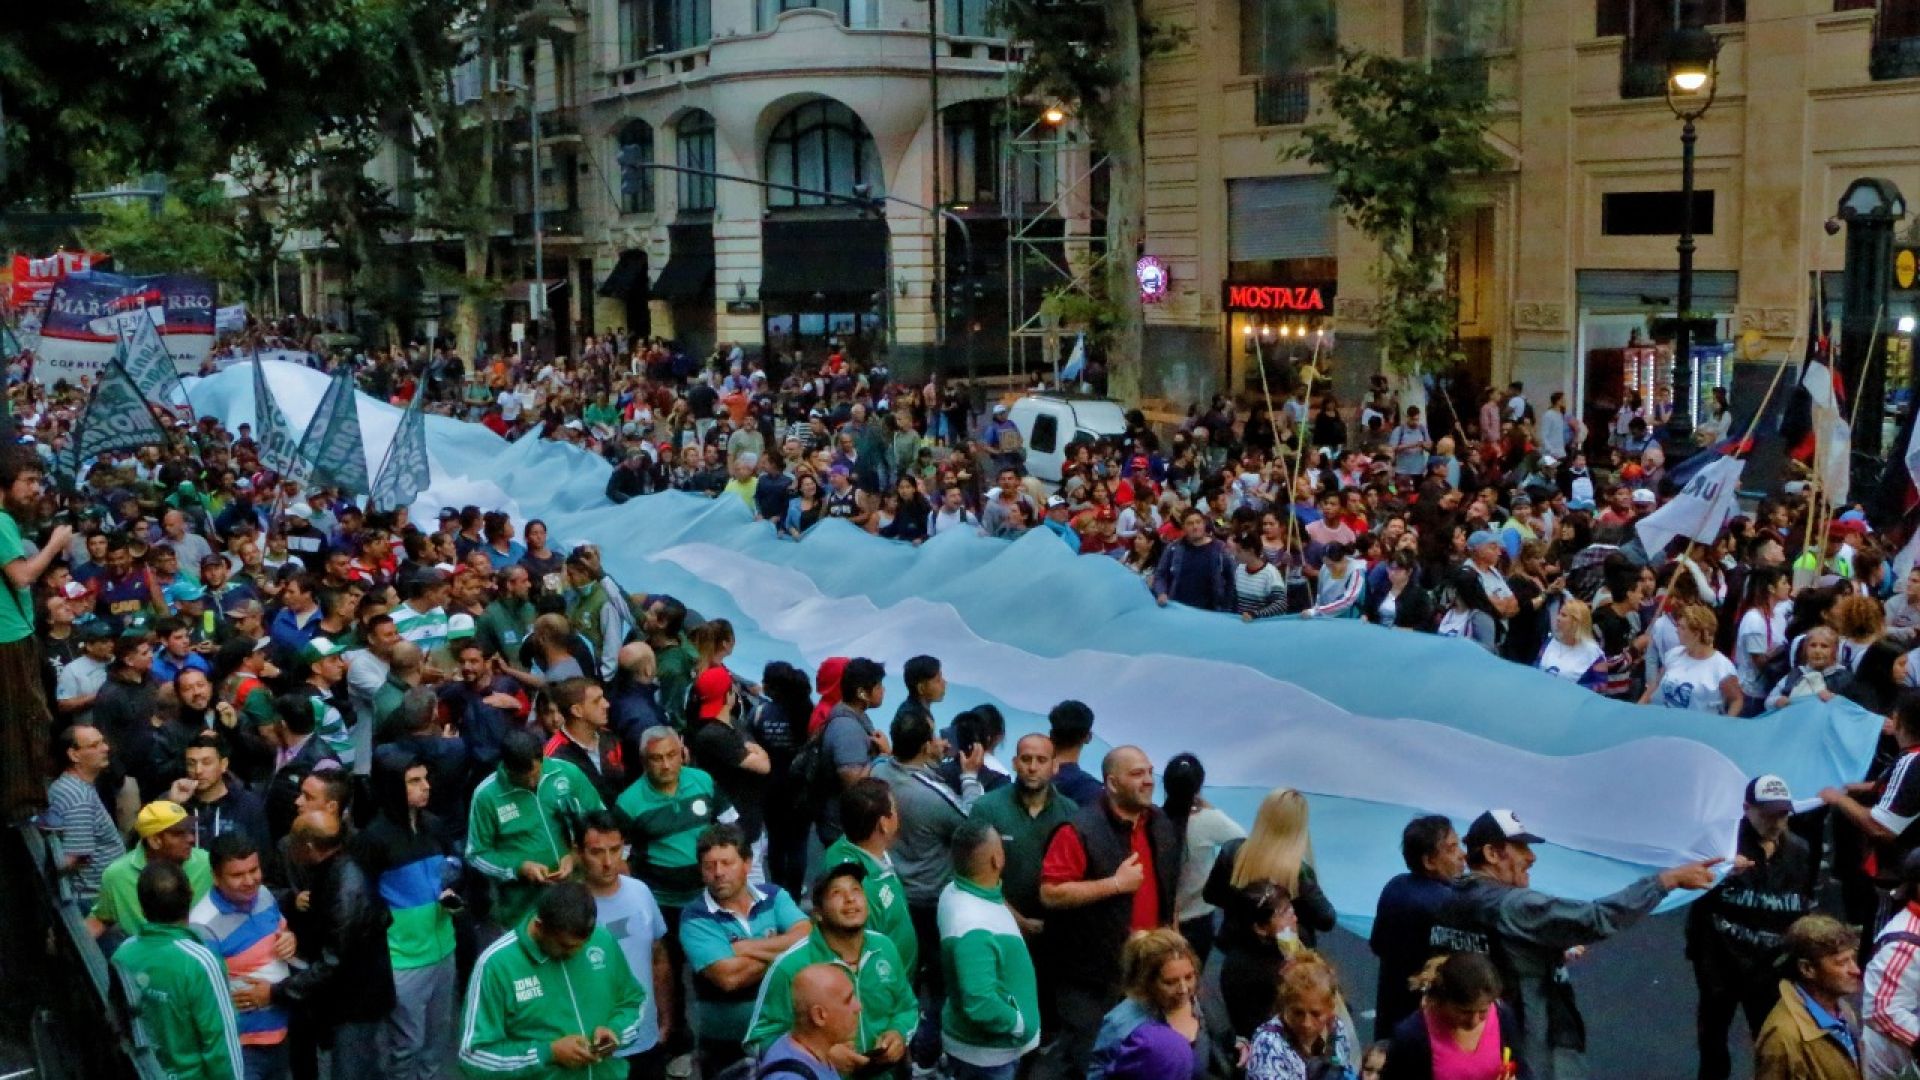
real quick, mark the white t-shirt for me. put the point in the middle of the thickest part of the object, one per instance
(1693, 684)
(633, 918)
(1758, 633)
(1570, 662)
(1208, 830)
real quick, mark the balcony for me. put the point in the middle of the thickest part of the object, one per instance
(554, 224)
(1283, 99)
(557, 124)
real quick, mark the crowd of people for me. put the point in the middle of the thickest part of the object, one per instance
(345, 794)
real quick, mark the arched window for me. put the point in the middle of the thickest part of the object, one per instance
(823, 146)
(636, 179)
(693, 149)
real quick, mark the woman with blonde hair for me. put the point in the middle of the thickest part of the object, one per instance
(1572, 652)
(1693, 676)
(1157, 1031)
(1305, 1035)
(1270, 902)
(1860, 621)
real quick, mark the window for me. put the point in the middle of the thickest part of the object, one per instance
(1459, 29)
(693, 149)
(1653, 213)
(1278, 37)
(968, 18)
(636, 180)
(1046, 433)
(821, 145)
(1613, 17)
(858, 13)
(681, 24)
(631, 16)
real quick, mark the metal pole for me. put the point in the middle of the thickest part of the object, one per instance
(966, 277)
(1680, 420)
(938, 267)
(539, 225)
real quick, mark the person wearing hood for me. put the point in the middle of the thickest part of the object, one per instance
(402, 853)
(418, 731)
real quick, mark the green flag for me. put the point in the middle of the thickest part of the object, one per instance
(116, 418)
(332, 445)
(9, 344)
(147, 360)
(405, 472)
(279, 450)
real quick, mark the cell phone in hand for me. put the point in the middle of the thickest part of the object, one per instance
(605, 1045)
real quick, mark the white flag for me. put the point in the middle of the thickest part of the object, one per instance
(1832, 436)
(1700, 511)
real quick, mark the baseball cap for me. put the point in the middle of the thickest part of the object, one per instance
(320, 648)
(73, 590)
(157, 817)
(999, 410)
(1769, 792)
(1054, 501)
(243, 607)
(1581, 504)
(1521, 498)
(448, 513)
(1642, 496)
(1498, 827)
(301, 511)
(92, 630)
(711, 690)
(1483, 536)
(459, 626)
(184, 590)
(136, 626)
(831, 874)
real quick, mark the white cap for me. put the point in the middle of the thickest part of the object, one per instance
(1642, 495)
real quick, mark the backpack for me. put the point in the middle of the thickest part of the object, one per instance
(810, 775)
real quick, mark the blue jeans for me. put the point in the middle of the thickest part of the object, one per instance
(265, 1062)
(961, 1070)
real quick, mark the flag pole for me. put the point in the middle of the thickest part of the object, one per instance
(1853, 417)
(1302, 432)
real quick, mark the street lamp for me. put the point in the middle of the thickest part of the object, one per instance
(537, 300)
(1692, 70)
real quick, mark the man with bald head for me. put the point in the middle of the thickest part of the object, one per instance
(345, 991)
(633, 701)
(1113, 869)
(826, 1014)
(406, 667)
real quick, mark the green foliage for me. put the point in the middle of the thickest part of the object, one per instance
(101, 90)
(1402, 139)
(194, 231)
(1069, 50)
(1080, 311)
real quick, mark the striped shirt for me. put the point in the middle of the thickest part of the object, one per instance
(244, 939)
(1260, 593)
(86, 829)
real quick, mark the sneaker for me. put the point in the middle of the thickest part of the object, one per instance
(680, 1068)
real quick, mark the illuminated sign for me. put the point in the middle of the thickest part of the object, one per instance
(1154, 277)
(1306, 299)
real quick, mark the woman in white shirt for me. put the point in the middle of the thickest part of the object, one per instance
(1762, 630)
(1207, 830)
(1694, 676)
(1572, 653)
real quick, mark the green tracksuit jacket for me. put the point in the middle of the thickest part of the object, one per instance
(520, 1000)
(881, 982)
(510, 825)
(992, 1013)
(178, 989)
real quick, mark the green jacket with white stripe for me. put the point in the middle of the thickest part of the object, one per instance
(510, 825)
(178, 989)
(881, 982)
(520, 1000)
(992, 1013)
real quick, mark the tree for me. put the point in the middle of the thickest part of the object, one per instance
(1403, 138)
(1089, 55)
(191, 232)
(98, 91)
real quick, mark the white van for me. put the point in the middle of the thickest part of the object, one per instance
(1048, 423)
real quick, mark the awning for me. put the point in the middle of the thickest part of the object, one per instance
(629, 275)
(834, 255)
(689, 271)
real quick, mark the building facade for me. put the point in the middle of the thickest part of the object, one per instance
(1565, 264)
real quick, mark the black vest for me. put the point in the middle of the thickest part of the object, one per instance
(1085, 942)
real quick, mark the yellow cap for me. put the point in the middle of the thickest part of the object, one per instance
(157, 817)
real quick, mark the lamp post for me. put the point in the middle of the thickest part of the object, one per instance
(1692, 70)
(537, 302)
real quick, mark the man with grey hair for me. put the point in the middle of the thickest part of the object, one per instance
(666, 810)
(415, 727)
(406, 669)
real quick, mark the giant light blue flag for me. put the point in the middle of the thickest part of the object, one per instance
(1617, 789)
(279, 449)
(146, 359)
(331, 447)
(405, 473)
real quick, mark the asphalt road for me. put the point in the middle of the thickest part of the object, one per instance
(1636, 992)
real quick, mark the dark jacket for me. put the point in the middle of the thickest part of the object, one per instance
(1086, 940)
(607, 768)
(395, 840)
(1410, 1054)
(1413, 610)
(284, 787)
(1312, 908)
(446, 762)
(1734, 932)
(1403, 940)
(1200, 577)
(238, 811)
(343, 939)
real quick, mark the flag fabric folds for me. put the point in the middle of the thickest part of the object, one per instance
(1701, 509)
(116, 418)
(279, 448)
(332, 447)
(1832, 437)
(405, 472)
(147, 362)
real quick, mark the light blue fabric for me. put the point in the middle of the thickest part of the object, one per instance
(1449, 729)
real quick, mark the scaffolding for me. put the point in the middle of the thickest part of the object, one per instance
(1053, 197)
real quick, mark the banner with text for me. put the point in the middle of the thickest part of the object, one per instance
(279, 449)
(80, 331)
